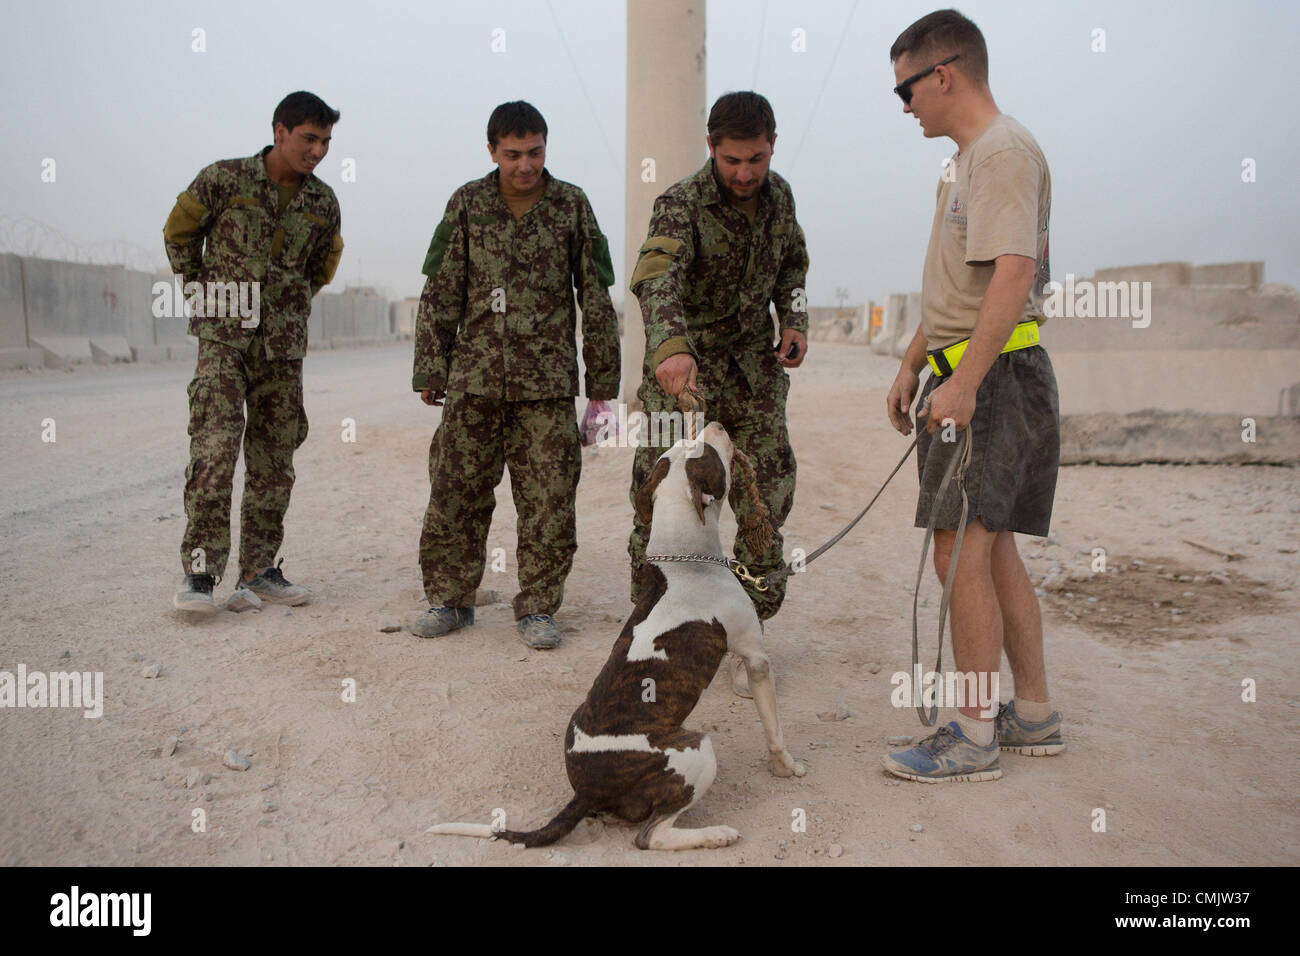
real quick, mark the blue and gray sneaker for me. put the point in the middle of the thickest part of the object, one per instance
(945, 756)
(539, 631)
(1022, 737)
(439, 620)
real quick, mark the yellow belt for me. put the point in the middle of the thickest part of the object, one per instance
(943, 361)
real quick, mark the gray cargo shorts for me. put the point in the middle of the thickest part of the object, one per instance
(1016, 436)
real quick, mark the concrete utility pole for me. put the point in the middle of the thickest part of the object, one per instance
(665, 135)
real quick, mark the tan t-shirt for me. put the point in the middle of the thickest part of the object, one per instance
(994, 199)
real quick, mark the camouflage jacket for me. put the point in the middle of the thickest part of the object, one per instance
(226, 228)
(705, 276)
(497, 314)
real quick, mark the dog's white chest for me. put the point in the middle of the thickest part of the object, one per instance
(695, 592)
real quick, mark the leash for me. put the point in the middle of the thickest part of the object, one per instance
(957, 464)
(689, 405)
(783, 573)
(956, 468)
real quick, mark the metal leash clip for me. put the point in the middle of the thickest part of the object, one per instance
(742, 572)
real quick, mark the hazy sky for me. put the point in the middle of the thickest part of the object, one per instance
(1145, 140)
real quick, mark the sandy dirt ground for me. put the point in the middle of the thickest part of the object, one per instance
(1146, 662)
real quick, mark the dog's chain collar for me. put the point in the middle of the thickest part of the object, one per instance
(735, 567)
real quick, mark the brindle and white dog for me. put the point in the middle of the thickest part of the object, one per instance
(626, 750)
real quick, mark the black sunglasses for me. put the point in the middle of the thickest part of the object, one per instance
(904, 89)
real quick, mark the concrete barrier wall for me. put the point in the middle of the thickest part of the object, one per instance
(1248, 275)
(1242, 382)
(895, 333)
(1231, 347)
(56, 312)
(401, 316)
(1188, 317)
(169, 329)
(71, 299)
(351, 315)
(1211, 343)
(1213, 339)
(13, 318)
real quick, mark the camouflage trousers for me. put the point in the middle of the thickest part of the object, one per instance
(226, 380)
(478, 437)
(755, 420)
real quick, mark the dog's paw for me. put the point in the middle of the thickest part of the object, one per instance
(715, 837)
(783, 765)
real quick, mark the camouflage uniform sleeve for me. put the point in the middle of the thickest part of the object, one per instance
(323, 262)
(661, 267)
(593, 274)
(188, 224)
(790, 294)
(442, 305)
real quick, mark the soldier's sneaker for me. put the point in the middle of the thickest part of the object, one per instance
(946, 756)
(272, 587)
(194, 596)
(439, 620)
(1019, 736)
(539, 631)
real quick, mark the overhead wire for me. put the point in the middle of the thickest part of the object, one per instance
(844, 32)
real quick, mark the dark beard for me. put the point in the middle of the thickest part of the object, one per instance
(730, 196)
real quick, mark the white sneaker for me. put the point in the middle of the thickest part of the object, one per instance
(194, 596)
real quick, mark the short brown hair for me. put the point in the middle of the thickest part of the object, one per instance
(942, 34)
(742, 115)
(303, 107)
(516, 118)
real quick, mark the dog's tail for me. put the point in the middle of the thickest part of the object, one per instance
(559, 827)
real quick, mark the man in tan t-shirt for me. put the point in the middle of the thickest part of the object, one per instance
(981, 298)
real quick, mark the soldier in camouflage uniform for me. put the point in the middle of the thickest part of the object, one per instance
(254, 239)
(722, 245)
(494, 336)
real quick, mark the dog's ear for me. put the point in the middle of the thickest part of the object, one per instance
(707, 476)
(645, 495)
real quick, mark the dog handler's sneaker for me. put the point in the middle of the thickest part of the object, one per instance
(539, 631)
(270, 585)
(1020, 736)
(194, 596)
(946, 756)
(440, 620)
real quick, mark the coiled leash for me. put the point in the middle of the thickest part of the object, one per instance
(957, 465)
(785, 572)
